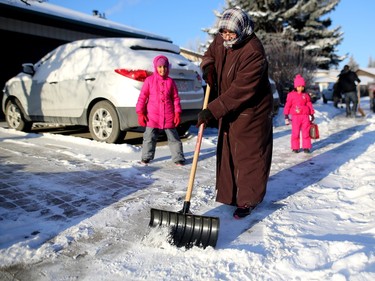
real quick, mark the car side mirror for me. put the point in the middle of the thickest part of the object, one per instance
(28, 68)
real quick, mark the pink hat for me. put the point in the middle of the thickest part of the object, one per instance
(161, 61)
(299, 81)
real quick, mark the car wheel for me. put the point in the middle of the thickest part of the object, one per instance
(15, 118)
(183, 129)
(104, 123)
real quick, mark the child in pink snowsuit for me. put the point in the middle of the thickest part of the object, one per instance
(299, 106)
(158, 108)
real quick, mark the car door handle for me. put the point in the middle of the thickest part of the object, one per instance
(90, 79)
(53, 82)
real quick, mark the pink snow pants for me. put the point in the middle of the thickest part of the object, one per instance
(300, 124)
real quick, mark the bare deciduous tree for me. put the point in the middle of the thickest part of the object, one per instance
(286, 60)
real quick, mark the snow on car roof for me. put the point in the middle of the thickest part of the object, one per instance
(133, 43)
(110, 54)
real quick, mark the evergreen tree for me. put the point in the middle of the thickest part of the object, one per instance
(298, 21)
(371, 62)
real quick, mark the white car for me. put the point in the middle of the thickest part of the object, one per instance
(96, 83)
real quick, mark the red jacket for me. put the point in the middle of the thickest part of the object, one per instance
(298, 104)
(159, 101)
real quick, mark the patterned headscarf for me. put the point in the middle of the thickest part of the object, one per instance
(237, 21)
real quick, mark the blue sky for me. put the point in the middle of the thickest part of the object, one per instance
(182, 21)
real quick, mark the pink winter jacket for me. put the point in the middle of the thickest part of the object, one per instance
(298, 104)
(159, 101)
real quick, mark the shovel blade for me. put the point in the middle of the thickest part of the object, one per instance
(187, 230)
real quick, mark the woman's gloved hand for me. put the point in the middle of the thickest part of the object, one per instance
(204, 117)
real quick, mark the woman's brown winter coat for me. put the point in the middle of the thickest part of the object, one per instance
(244, 110)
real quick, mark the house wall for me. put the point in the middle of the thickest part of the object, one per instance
(324, 77)
(191, 55)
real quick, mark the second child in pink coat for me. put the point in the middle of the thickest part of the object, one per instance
(158, 108)
(299, 107)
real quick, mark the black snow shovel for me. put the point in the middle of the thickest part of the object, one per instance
(187, 229)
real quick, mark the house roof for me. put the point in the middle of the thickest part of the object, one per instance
(370, 72)
(366, 75)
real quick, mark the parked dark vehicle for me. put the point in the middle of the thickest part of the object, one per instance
(314, 93)
(96, 83)
(327, 94)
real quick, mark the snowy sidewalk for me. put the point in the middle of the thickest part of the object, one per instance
(56, 190)
(75, 209)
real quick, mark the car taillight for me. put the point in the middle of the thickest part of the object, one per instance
(199, 77)
(198, 82)
(139, 75)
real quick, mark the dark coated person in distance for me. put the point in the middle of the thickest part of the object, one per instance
(347, 83)
(235, 64)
